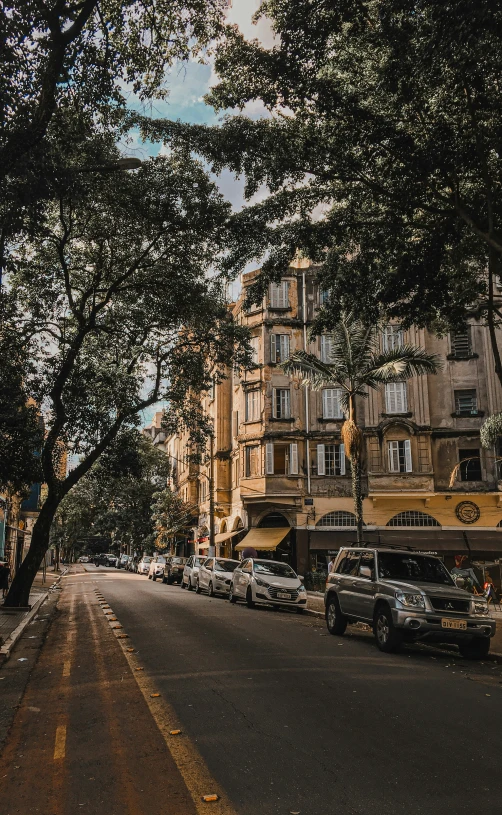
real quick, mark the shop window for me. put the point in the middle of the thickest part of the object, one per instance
(281, 403)
(400, 456)
(331, 459)
(279, 294)
(466, 402)
(396, 399)
(470, 465)
(335, 520)
(331, 403)
(252, 462)
(392, 337)
(326, 348)
(279, 347)
(412, 518)
(252, 405)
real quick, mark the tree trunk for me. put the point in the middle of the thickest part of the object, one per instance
(19, 592)
(355, 465)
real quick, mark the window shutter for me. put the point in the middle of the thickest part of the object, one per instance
(320, 459)
(269, 458)
(236, 422)
(407, 456)
(342, 459)
(293, 459)
(273, 348)
(327, 403)
(284, 294)
(274, 403)
(402, 401)
(393, 456)
(286, 404)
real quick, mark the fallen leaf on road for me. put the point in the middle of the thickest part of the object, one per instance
(130, 650)
(174, 732)
(154, 695)
(487, 694)
(140, 669)
(208, 798)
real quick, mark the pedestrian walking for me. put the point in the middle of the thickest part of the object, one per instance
(4, 577)
(331, 564)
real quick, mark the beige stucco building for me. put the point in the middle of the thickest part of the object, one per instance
(279, 460)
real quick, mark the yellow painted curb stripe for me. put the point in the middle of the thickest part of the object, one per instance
(60, 743)
(187, 758)
(66, 668)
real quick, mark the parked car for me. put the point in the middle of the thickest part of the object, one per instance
(190, 571)
(132, 566)
(123, 561)
(267, 581)
(215, 575)
(405, 596)
(144, 565)
(156, 567)
(173, 569)
(83, 559)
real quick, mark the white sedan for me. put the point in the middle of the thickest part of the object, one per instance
(144, 565)
(215, 575)
(191, 571)
(267, 581)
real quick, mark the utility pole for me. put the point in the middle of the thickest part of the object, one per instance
(211, 496)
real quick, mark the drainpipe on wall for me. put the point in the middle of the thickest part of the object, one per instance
(3, 527)
(307, 415)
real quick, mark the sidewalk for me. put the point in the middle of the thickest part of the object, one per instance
(13, 619)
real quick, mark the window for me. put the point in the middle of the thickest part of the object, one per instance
(253, 467)
(367, 560)
(392, 337)
(350, 564)
(279, 347)
(326, 347)
(461, 345)
(323, 296)
(331, 407)
(279, 294)
(255, 349)
(396, 400)
(400, 456)
(470, 465)
(466, 402)
(337, 519)
(330, 459)
(281, 403)
(252, 405)
(281, 459)
(412, 518)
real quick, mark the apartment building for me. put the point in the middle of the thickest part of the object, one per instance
(280, 470)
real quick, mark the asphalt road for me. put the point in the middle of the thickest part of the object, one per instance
(276, 715)
(289, 718)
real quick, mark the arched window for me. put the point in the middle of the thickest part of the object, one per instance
(273, 520)
(499, 523)
(336, 519)
(412, 518)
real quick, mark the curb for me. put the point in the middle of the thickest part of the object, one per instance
(10, 642)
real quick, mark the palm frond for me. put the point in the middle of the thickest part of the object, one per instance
(401, 363)
(311, 371)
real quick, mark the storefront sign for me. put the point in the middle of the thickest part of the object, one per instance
(468, 512)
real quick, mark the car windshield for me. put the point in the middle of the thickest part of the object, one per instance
(161, 560)
(276, 569)
(198, 561)
(225, 565)
(179, 560)
(147, 559)
(412, 567)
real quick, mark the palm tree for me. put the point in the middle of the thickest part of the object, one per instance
(357, 364)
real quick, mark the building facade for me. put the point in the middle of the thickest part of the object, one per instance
(279, 462)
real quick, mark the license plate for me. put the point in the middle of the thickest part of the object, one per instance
(459, 625)
(282, 595)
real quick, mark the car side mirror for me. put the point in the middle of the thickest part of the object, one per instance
(300, 577)
(365, 571)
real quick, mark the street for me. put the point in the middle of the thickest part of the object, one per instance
(276, 716)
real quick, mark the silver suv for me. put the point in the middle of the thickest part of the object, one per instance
(406, 596)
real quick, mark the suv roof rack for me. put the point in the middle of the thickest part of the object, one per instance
(368, 545)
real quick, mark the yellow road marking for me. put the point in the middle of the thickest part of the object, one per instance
(60, 743)
(66, 668)
(187, 758)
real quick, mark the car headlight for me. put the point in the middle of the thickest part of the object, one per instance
(411, 600)
(260, 582)
(480, 607)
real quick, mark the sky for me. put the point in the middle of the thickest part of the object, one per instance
(188, 83)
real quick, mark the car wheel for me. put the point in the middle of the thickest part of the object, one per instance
(389, 639)
(197, 588)
(249, 598)
(149, 577)
(300, 610)
(182, 584)
(164, 579)
(475, 649)
(210, 590)
(154, 576)
(189, 584)
(336, 622)
(231, 596)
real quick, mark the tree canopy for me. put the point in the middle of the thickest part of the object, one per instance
(381, 151)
